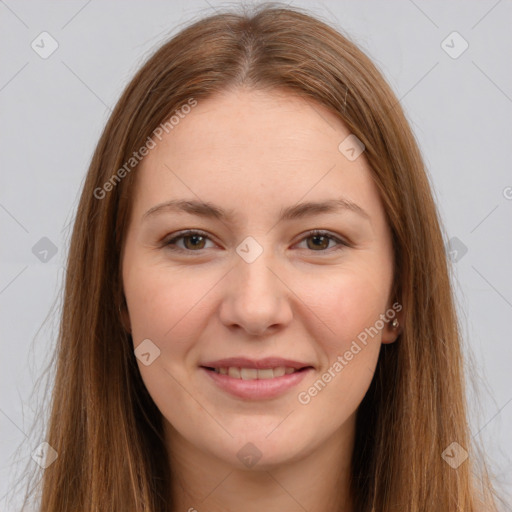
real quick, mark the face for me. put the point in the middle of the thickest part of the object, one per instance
(251, 281)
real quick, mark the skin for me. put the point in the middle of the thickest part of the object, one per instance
(254, 153)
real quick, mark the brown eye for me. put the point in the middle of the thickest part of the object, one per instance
(318, 241)
(193, 241)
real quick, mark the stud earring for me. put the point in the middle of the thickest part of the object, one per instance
(395, 323)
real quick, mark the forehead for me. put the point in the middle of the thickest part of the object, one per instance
(255, 123)
(253, 149)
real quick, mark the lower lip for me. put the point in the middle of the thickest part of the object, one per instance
(257, 389)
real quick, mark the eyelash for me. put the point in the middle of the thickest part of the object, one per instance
(171, 245)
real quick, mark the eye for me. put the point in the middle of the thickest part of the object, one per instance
(194, 241)
(321, 239)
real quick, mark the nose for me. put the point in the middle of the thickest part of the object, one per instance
(256, 298)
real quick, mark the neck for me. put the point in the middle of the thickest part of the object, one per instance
(316, 482)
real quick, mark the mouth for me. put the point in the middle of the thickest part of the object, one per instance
(256, 380)
(255, 373)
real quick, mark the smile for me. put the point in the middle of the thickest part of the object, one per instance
(254, 373)
(255, 383)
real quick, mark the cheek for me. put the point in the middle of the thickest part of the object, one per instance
(168, 306)
(348, 339)
(346, 304)
(151, 304)
(163, 306)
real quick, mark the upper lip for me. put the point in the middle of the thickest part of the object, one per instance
(244, 362)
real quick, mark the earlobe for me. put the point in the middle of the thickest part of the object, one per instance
(391, 331)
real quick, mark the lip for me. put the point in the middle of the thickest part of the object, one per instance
(244, 362)
(257, 389)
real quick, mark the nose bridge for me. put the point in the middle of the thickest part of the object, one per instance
(255, 280)
(256, 298)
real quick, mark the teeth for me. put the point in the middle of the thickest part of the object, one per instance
(248, 373)
(254, 373)
(265, 374)
(234, 372)
(279, 371)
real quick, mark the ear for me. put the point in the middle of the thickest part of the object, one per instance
(391, 332)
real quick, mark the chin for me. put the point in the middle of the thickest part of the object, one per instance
(258, 450)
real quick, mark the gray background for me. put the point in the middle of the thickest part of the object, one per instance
(53, 111)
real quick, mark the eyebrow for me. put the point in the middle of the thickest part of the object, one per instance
(298, 211)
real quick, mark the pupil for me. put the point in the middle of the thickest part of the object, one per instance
(316, 237)
(190, 237)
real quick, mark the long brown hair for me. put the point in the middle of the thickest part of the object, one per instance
(103, 424)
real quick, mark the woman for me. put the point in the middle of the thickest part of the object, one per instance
(258, 312)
